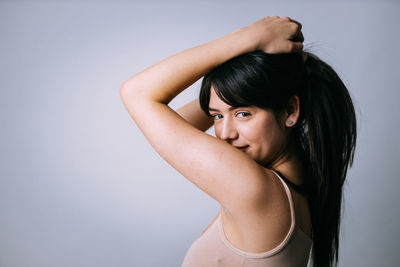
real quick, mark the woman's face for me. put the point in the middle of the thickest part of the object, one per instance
(253, 130)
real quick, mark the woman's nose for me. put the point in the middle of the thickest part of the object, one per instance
(228, 130)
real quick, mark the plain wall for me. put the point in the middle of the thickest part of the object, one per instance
(79, 184)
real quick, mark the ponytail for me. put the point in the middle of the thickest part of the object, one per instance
(328, 138)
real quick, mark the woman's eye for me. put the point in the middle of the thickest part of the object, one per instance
(216, 116)
(243, 114)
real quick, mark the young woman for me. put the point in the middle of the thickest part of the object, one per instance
(286, 131)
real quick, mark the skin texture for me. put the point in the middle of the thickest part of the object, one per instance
(253, 202)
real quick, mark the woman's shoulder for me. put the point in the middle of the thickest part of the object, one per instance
(259, 228)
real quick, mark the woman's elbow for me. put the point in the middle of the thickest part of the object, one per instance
(127, 90)
(133, 96)
(123, 91)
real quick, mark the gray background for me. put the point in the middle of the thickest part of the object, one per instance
(80, 186)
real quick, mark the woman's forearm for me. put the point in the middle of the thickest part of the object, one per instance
(163, 81)
(195, 116)
(166, 79)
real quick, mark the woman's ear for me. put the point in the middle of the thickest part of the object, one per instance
(292, 111)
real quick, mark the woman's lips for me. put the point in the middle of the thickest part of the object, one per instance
(243, 148)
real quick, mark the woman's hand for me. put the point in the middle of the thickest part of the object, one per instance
(276, 35)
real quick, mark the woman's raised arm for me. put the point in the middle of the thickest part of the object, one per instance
(222, 171)
(163, 81)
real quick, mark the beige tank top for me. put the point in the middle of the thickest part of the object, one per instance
(212, 248)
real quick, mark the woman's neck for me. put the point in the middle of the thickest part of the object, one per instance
(290, 165)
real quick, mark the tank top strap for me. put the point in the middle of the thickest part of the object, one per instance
(289, 195)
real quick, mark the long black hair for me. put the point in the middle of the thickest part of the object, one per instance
(325, 132)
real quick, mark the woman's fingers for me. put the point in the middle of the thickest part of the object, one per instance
(297, 47)
(305, 56)
(298, 37)
(295, 39)
(276, 35)
(295, 21)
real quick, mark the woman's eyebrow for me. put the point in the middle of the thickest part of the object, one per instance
(214, 109)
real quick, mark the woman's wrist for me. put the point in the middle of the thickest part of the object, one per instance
(244, 40)
(232, 45)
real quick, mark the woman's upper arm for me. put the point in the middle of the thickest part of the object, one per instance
(225, 173)
(194, 115)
